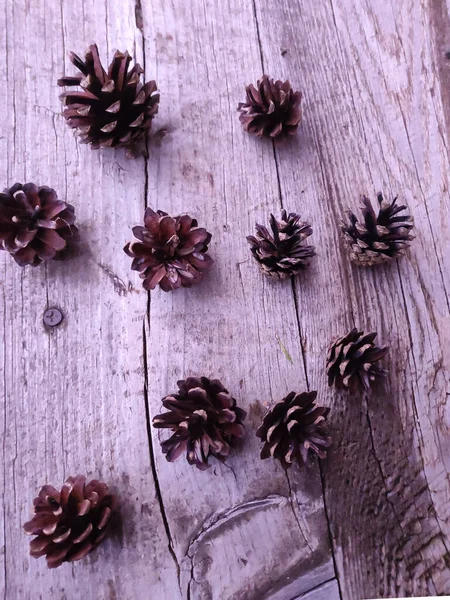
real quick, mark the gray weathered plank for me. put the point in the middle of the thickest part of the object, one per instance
(74, 396)
(327, 591)
(371, 123)
(377, 109)
(245, 531)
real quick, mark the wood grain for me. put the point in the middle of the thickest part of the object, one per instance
(370, 124)
(245, 531)
(327, 591)
(74, 395)
(79, 398)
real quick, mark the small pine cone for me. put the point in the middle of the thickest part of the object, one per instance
(294, 426)
(282, 254)
(34, 225)
(71, 523)
(205, 421)
(380, 238)
(114, 108)
(350, 361)
(271, 109)
(169, 251)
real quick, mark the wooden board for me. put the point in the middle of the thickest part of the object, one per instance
(75, 395)
(79, 398)
(326, 591)
(245, 531)
(372, 124)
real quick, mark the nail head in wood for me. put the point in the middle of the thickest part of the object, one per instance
(52, 317)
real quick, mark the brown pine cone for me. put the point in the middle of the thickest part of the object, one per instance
(380, 238)
(282, 254)
(271, 109)
(205, 421)
(34, 225)
(293, 427)
(114, 108)
(169, 251)
(350, 362)
(71, 523)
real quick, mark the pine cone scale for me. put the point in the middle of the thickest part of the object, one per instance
(112, 109)
(70, 523)
(170, 252)
(282, 254)
(351, 361)
(293, 427)
(34, 225)
(272, 110)
(379, 238)
(204, 421)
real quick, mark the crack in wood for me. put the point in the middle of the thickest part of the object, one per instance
(297, 520)
(152, 458)
(419, 182)
(316, 588)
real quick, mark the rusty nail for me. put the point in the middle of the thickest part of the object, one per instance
(53, 317)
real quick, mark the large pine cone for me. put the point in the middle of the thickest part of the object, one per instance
(34, 225)
(350, 362)
(282, 254)
(205, 421)
(113, 109)
(169, 251)
(271, 109)
(293, 427)
(71, 523)
(381, 237)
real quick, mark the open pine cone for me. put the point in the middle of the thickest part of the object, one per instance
(271, 109)
(205, 421)
(282, 254)
(293, 427)
(379, 238)
(114, 108)
(169, 251)
(351, 361)
(34, 225)
(71, 523)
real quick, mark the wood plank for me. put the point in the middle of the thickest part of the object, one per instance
(327, 591)
(74, 395)
(3, 450)
(386, 480)
(245, 531)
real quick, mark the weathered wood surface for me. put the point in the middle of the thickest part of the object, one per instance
(79, 398)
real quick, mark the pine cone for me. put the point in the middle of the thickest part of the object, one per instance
(350, 362)
(282, 254)
(381, 238)
(204, 419)
(272, 110)
(294, 426)
(71, 523)
(34, 225)
(114, 109)
(171, 252)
